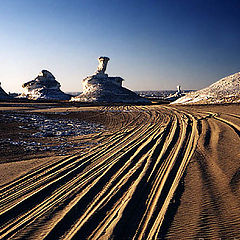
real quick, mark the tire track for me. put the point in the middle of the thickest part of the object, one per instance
(137, 165)
(214, 199)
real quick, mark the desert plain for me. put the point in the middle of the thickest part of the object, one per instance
(142, 172)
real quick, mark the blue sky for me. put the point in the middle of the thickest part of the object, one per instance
(152, 44)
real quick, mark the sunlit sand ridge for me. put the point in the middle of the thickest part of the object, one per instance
(128, 186)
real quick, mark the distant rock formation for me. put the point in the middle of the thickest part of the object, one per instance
(176, 95)
(103, 89)
(226, 90)
(44, 86)
(3, 94)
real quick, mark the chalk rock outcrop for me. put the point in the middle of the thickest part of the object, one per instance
(3, 94)
(104, 89)
(44, 86)
(176, 95)
(226, 90)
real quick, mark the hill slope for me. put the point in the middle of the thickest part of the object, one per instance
(3, 94)
(226, 90)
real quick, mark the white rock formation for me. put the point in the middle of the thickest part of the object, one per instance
(102, 65)
(176, 95)
(3, 94)
(103, 89)
(226, 90)
(44, 86)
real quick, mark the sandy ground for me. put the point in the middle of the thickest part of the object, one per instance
(154, 172)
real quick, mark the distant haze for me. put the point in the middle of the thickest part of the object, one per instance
(152, 44)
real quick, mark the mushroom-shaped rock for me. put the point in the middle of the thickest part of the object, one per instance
(44, 86)
(101, 88)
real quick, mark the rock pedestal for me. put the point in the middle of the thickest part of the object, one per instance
(45, 87)
(101, 88)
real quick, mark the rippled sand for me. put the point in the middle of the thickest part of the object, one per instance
(158, 172)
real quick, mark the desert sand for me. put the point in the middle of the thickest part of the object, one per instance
(155, 172)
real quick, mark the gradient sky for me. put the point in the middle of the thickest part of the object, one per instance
(152, 44)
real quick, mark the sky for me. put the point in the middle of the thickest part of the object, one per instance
(152, 44)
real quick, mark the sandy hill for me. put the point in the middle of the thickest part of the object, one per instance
(226, 90)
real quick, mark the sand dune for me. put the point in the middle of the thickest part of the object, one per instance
(159, 172)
